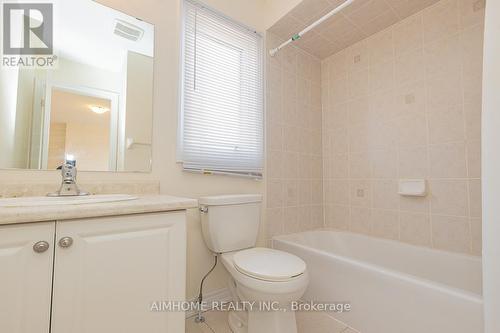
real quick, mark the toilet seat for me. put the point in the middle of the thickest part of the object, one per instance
(268, 264)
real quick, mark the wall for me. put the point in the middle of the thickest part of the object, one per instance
(8, 101)
(406, 103)
(24, 112)
(491, 165)
(138, 124)
(57, 145)
(294, 148)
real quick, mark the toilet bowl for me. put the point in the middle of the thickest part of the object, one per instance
(267, 289)
(264, 281)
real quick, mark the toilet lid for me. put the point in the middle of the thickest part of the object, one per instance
(269, 264)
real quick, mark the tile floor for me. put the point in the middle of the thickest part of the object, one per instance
(307, 322)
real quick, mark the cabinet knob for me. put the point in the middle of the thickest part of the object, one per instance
(66, 242)
(41, 247)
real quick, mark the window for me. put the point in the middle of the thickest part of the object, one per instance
(221, 123)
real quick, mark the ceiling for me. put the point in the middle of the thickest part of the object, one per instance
(83, 32)
(358, 21)
(68, 107)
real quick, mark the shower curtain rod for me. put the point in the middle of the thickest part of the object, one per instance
(299, 35)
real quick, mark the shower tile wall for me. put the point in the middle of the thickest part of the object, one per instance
(403, 104)
(294, 174)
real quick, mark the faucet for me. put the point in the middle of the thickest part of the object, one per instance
(68, 185)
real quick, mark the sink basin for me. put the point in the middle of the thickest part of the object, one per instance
(57, 201)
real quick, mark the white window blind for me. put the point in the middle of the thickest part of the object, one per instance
(222, 100)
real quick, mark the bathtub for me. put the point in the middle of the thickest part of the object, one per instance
(392, 287)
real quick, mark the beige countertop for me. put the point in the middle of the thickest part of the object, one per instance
(143, 204)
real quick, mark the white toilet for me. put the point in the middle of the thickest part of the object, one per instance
(230, 226)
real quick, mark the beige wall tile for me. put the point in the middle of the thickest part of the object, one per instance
(360, 165)
(385, 164)
(444, 91)
(385, 224)
(274, 164)
(291, 192)
(359, 111)
(358, 57)
(414, 162)
(385, 194)
(448, 160)
(411, 99)
(441, 20)
(361, 220)
(412, 130)
(383, 106)
(291, 220)
(403, 103)
(415, 229)
(474, 159)
(381, 76)
(340, 141)
(471, 12)
(475, 198)
(361, 193)
(473, 121)
(274, 222)
(381, 46)
(340, 192)
(449, 197)
(436, 52)
(340, 166)
(338, 217)
(476, 236)
(451, 233)
(446, 125)
(410, 67)
(415, 204)
(408, 35)
(359, 83)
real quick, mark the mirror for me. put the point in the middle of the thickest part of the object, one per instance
(94, 104)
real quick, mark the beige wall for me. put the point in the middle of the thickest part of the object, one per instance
(138, 123)
(406, 103)
(491, 166)
(8, 102)
(57, 145)
(294, 148)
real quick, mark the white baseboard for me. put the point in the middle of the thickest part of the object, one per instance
(221, 295)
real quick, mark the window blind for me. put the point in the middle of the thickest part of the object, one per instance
(222, 100)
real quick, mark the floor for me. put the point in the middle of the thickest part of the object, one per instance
(307, 322)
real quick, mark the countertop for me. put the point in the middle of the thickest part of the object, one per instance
(143, 204)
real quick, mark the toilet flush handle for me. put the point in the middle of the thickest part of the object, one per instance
(204, 209)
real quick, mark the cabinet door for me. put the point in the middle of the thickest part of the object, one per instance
(110, 270)
(26, 277)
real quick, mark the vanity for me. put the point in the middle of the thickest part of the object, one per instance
(71, 263)
(92, 267)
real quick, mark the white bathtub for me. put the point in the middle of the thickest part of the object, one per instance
(392, 287)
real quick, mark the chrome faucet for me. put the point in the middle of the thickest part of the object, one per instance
(68, 185)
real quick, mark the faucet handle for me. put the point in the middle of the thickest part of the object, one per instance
(68, 172)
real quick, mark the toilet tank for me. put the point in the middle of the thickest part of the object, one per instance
(230, 222)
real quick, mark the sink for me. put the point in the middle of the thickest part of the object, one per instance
(57, 201)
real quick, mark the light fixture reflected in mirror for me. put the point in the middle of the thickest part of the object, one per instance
(98, 109)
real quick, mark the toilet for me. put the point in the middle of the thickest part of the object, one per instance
(269, 279)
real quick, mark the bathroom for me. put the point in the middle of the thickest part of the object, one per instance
(371, 170)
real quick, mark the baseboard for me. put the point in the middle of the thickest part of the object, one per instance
(221, 295)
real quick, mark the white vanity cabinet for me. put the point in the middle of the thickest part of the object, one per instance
(26, 277)
(98, 275)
